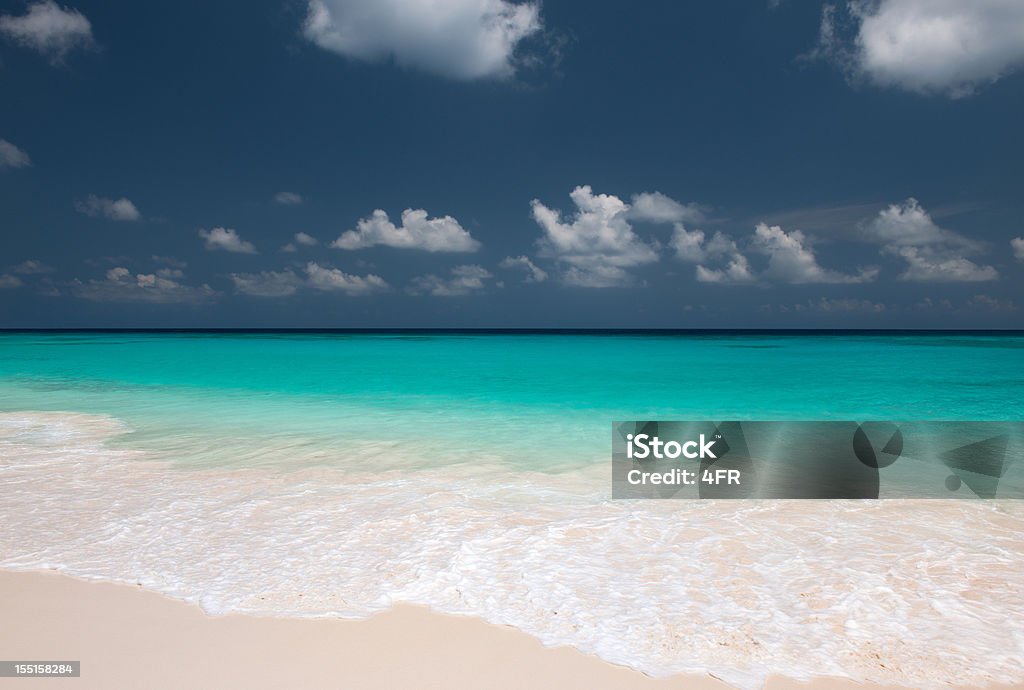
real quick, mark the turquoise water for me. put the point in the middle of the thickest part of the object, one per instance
(541, 402)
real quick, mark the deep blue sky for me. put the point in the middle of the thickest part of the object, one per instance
(200, 113)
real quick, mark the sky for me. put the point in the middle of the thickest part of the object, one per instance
(489, 163)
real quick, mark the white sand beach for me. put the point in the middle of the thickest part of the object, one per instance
(127, 637)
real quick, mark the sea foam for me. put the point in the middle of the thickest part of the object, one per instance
(914, 593)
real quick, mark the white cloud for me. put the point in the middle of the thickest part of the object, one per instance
(113, 209)
(8, 281)
(227, 240)
(737, 271)
(334, 280)
(12, 157)
(267, 283)
(460, 39)
(690, 245)
(932, 253)
(534, 273)
(49, 29)
(927, 265)
(598, 245)
(287, 282)
(442, 234)
(31, 267)
(950, 47)
(463, 280)
(288, 198)
(121, 285)
(790, 260)
(909, 225)
(1017, 243)
(655, 207)
(303, 239)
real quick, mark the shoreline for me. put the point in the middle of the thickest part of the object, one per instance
(262, 545)
(128, 636)
(402, 645)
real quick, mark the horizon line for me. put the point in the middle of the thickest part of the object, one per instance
(522, 330)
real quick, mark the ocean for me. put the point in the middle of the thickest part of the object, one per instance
(336, 473)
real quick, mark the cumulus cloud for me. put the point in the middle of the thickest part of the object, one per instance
(1017, 244)
(8, 282)
(300, 238)
(463, 280)
(288, 198)
(688, 244)
(597, 245)
(909, 225)
(736, 271)
(655, 207)
(226, 239)
(442, 234)
(791, 260)
(334, 280)
(12, 157)
(459, 39)
(49, 29)
(121, 285)
(790, 257)
(927, 265)
(948, 47)
(534, 273)
(693, 246)
(932, 253)
(113, 209)
(31, 267)
(267, 283)
(287, 282)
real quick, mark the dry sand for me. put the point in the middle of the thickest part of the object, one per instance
(126, 637)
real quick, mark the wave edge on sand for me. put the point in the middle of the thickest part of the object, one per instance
(913, 593)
